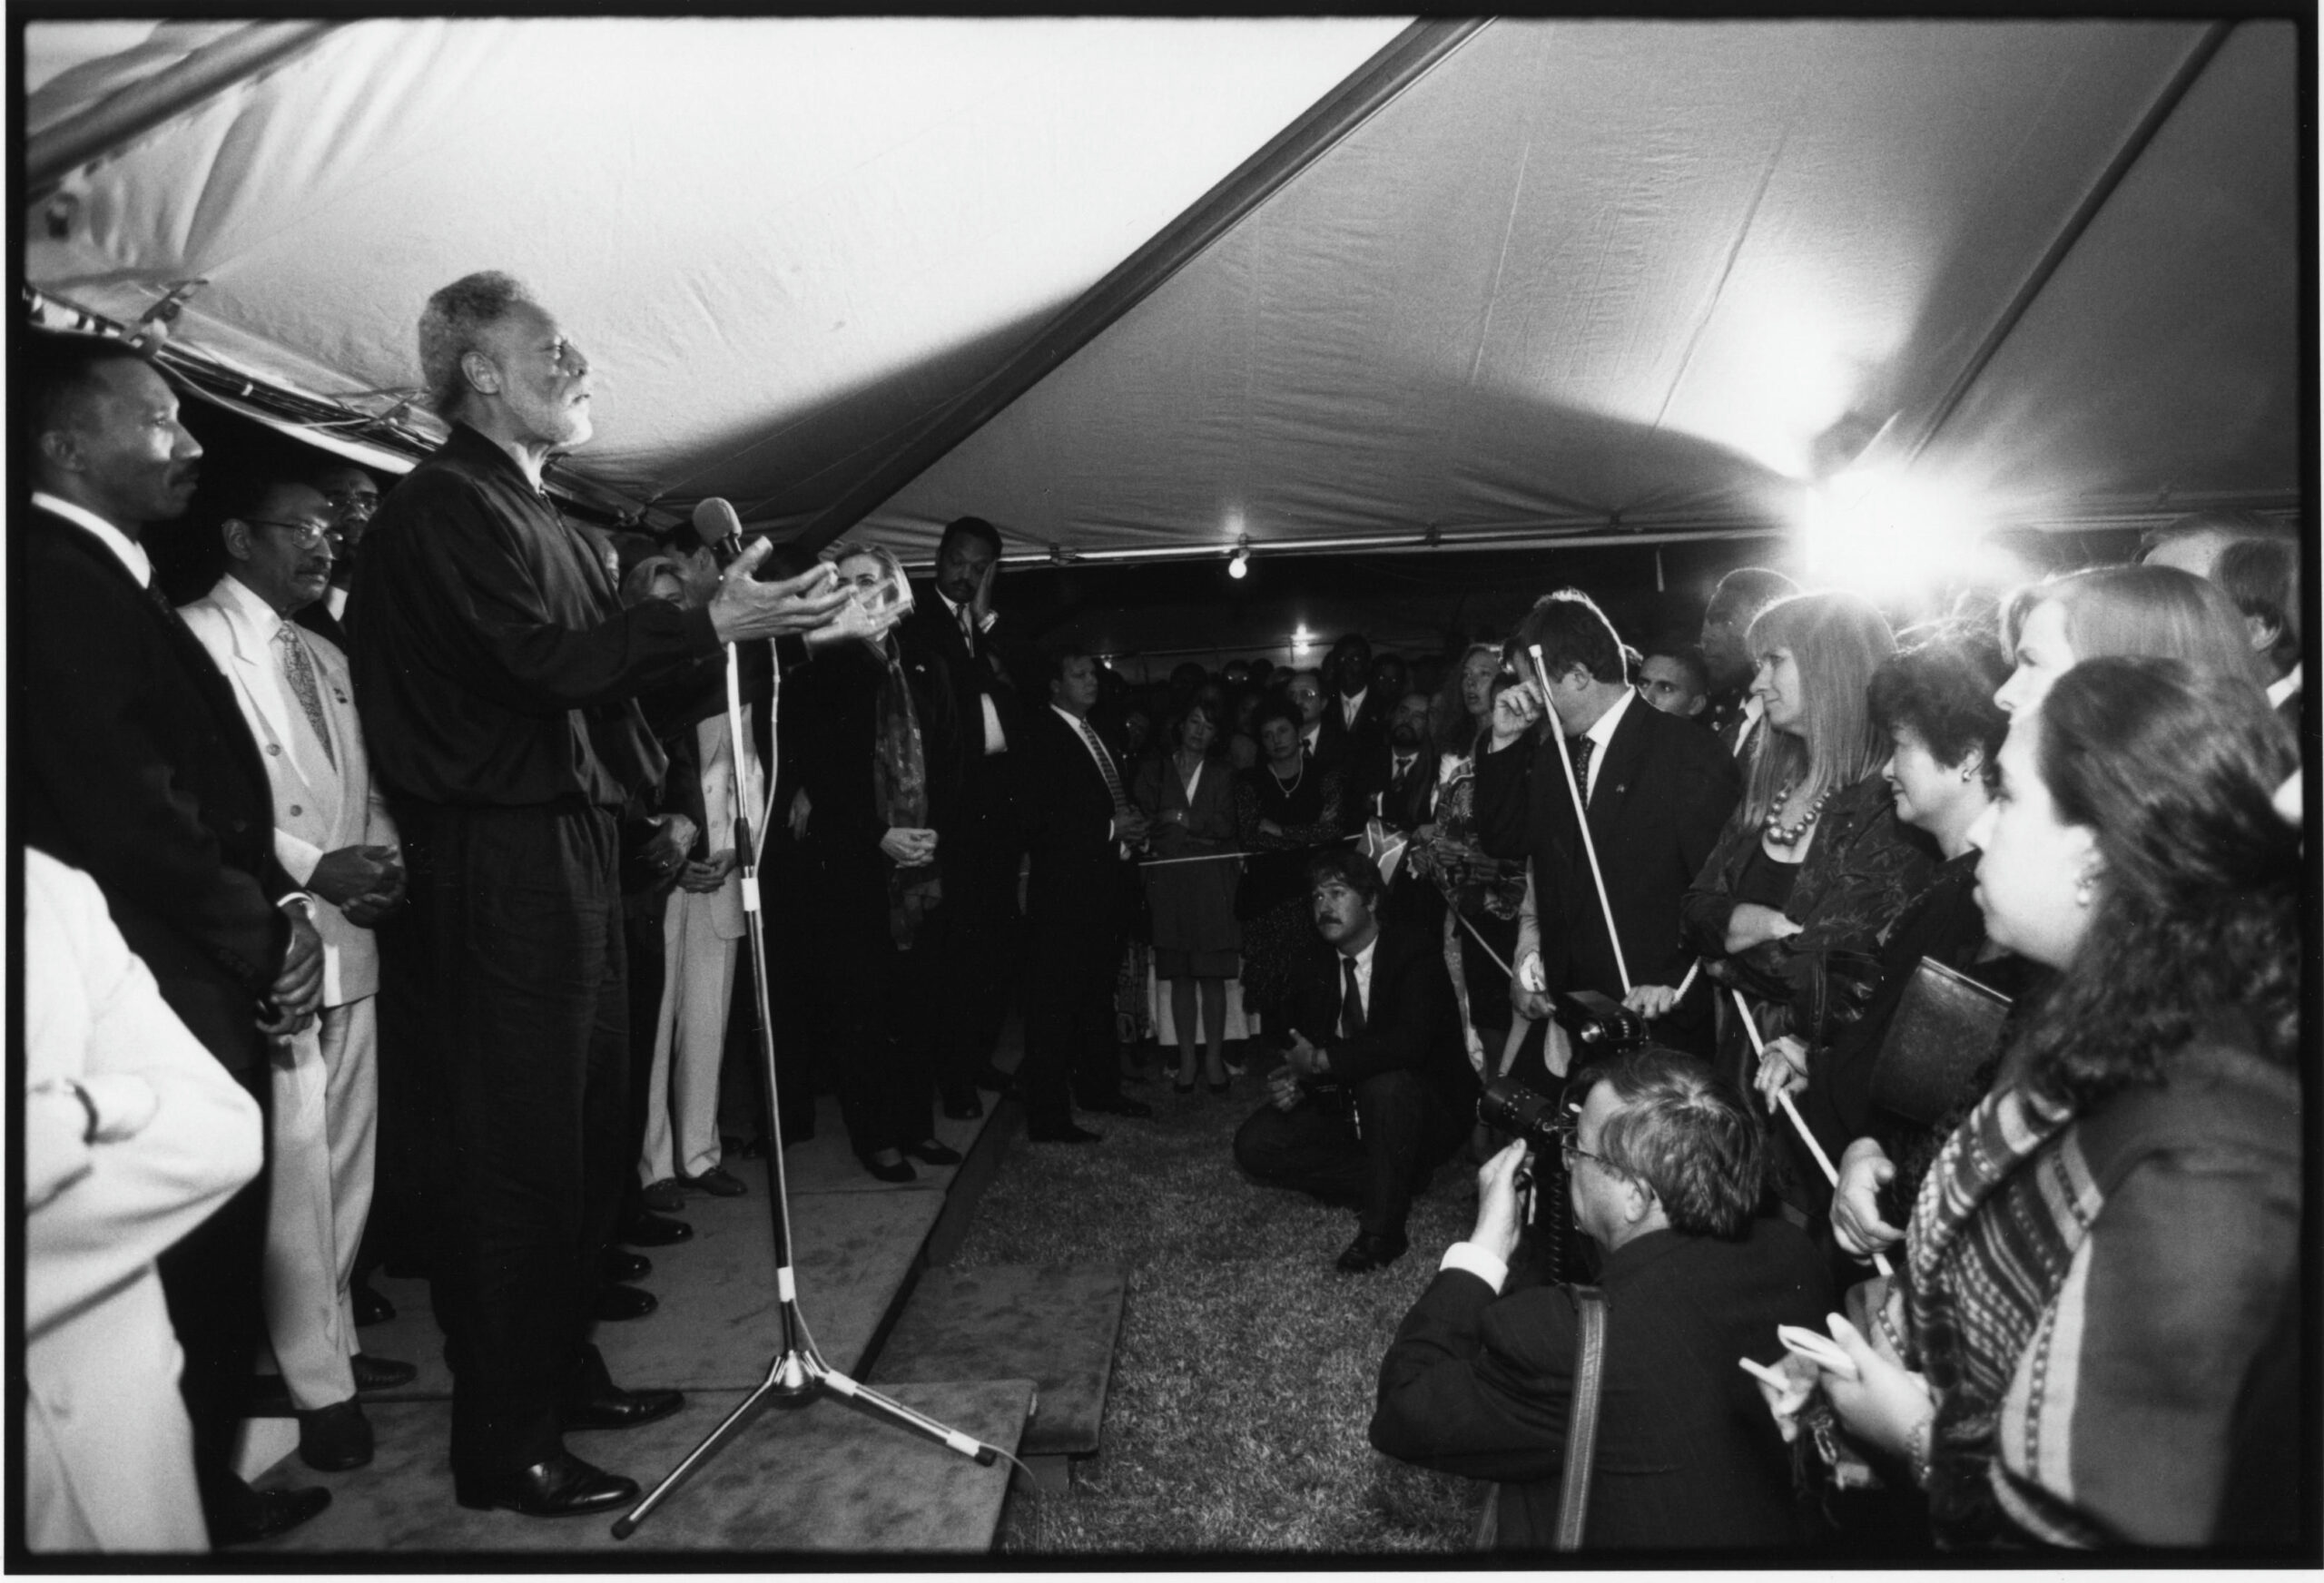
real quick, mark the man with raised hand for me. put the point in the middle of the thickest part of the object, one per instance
(498, 674)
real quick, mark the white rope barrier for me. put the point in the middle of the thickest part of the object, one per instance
(1799, 1124)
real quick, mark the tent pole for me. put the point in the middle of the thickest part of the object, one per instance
(1403, 62)
(56, 153)
(2128, 155)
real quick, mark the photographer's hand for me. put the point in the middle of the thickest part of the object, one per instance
(1500, 1212)
(746, 608)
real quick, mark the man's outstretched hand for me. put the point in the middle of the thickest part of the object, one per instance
(744, 608)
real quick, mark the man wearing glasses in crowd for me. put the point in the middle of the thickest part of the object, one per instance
(1663, 1165)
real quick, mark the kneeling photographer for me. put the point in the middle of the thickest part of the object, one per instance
(1663, 1165)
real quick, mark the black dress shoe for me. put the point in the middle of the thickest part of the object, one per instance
(334, 1439)
(1371, 1251)
(370, 1308)
(963, 1105)
(252, 1515)
(901, 1171)
(653, 1231)
(616, 1302)
(621, 1266)
(611, 1407)
(562, 1485)
(1119, 1104)
(1063, 1132)
(993, 1078)
(932, 1153)
(718, 1182)
(381, 1374)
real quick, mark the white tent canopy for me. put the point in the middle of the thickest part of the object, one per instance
(1573, 277)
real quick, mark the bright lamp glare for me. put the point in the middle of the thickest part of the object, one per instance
(1240, 566)
(1887, 538)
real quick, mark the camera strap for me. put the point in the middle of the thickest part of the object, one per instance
(1582, 1415)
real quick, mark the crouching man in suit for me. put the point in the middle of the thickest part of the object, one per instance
(1663, 1165)
(333, 835)
(1377, 1090)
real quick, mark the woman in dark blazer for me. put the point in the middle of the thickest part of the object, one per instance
(1812, 867)
(1188, 795)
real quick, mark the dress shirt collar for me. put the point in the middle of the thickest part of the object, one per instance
(245, 609)
(1308, 734)
(953, 608)
(1601, 730)
(2283, 687)
(1352, 704)
(1363, 960)
(125, 549)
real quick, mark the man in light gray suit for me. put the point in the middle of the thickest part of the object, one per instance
(332, 834)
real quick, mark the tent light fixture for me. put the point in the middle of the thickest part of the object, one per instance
(1239, 564)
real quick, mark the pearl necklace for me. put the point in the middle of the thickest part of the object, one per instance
(1288, 787)
(1788, 835)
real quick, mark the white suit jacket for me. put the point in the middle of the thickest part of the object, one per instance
(319, 806)
(108, 1449)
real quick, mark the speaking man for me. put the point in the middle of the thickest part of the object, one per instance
(499, 675)
(1663, 1168)
(133, 764)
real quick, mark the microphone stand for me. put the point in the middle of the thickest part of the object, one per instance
(798, 1374)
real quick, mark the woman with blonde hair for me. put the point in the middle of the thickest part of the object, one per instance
(2156, 610)
(1814, 865)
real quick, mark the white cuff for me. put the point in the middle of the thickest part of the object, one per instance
(1472, 1258)
(299, 857)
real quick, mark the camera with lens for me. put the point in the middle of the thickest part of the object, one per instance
(1598, 1027)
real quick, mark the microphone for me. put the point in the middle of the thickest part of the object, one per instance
(715, 524)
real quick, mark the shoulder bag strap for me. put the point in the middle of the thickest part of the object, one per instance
(1581, 1417)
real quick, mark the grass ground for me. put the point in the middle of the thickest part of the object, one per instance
(1247, 1364)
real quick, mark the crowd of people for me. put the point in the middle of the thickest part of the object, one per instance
(384, 906)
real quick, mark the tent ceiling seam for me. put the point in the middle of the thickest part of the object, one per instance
(2166, 101)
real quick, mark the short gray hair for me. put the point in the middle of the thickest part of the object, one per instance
(453, 324)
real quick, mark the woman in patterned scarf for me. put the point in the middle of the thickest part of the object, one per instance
(869, 833)
(2096, 1258)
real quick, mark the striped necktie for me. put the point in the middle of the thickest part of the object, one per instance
(1105, 765)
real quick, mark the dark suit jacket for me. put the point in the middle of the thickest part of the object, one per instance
(1080, 881)
(1662, 790)
(1340, 743)
(1403, 804)
(1687, 1455)
(1412, 1024)
(953, 681)
(132, 761)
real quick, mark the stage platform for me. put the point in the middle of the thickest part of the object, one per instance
(989, 1350)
